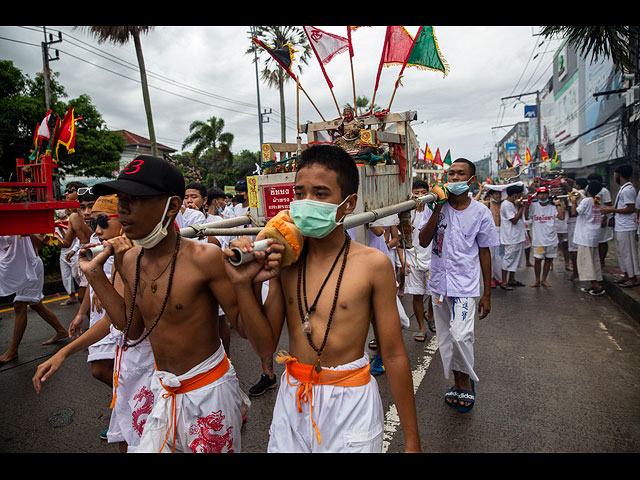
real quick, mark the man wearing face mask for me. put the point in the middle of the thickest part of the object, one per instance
(543, 214)
(461, 231)
(327, 400)
(172, 289)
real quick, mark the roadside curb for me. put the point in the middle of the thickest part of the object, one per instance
(627, 298)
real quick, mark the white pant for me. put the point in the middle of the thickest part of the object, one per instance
(134, 398)
(588, 262)
(208, 419)
(626, 253)
(350, 419)
(513, 257)
(455, 321)
(69, 274)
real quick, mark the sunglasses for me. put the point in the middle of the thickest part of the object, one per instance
(101, 221)
(83, 190)
(70, 190)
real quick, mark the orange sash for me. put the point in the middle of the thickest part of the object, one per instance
(308, 377)
(193, 383)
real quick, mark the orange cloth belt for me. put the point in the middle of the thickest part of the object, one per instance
(308, 377)
(188, 385)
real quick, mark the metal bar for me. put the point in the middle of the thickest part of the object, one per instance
(192, 230)
(224, 227)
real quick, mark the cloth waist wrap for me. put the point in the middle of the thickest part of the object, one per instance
(307, 377)
(188, 385)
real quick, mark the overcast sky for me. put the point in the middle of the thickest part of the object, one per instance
(199, 72)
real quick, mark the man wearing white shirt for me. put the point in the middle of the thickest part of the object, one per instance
(625, 227)
(576, 188)
(460, 230)
(512, 236)
(588, 213)
(544, 237)
(606, 232)
(417, 263)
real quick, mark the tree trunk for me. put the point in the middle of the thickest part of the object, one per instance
(145, 95)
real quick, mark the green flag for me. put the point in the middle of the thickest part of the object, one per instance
(554, 160)
(447, 158)
(426, 53)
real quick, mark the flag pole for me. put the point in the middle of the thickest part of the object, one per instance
(375, 90)
(291, 74)
(353, 78)
(403, 67)
(324, 72)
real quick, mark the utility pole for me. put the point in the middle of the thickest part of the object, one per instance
(45, 64)
(255, 59)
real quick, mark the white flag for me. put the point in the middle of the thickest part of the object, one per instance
(516, 161)
(43, 130)
(326, 45)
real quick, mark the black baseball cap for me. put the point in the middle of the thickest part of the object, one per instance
(143, 176)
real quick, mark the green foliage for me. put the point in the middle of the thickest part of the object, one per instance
(50, 255)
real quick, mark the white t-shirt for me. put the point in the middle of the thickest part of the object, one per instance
(418, 257)
(455, 265)
(625, 222)
(510, 233)
(588, 222)
(190, 217)
(543, 224)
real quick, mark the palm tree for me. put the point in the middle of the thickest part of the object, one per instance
(616, 42)
(273, 74)
(209, 138)
(362, 102)
(120, 36)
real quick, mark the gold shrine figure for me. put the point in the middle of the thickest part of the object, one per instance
(348, 132)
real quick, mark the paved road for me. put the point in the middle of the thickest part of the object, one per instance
(558, 373)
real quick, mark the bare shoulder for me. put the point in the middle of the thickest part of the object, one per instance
(368, 258)
(201, 252)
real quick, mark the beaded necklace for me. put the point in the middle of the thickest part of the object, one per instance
(302, 273)
(135, 294)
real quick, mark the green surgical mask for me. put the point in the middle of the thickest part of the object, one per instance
(315, 219)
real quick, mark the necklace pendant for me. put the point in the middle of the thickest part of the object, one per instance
(306, 324)
(318, 367)
(153, 287)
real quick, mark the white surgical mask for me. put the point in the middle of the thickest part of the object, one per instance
(158, 233)
(458, 188)
(315, 219)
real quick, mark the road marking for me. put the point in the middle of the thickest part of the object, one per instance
(44, 301)
(604, 328)
(392, 420)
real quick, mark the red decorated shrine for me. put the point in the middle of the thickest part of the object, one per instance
(27, 206)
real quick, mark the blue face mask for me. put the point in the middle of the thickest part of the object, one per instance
(457, 188)
(315, 219)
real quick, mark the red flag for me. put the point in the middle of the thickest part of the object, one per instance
(437, 160)
(544, 155)
(67, 132)
(396, 48)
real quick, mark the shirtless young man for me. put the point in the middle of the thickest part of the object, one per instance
(173, 286)
(134, 368)
(332, 416)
